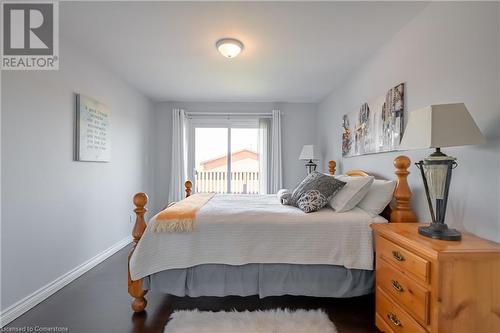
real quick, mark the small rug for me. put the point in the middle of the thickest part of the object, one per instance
(272, 321)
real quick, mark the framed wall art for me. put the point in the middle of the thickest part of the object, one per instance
(377, 126)
(93, 142)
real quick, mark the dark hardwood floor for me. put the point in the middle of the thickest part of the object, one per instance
(98, 302)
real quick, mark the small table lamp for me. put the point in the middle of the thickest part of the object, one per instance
(436, 126)
(310, 153)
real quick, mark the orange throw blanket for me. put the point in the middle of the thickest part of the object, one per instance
(181, 215)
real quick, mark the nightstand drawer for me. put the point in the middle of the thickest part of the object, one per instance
(404, 259)
(382, 325)
(413, 297)
(394, 316)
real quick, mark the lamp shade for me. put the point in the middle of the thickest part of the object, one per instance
(443, 125)
(309, 152)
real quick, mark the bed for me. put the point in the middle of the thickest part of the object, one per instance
(253, 245)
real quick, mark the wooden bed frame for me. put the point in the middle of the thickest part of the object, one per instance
(400, 212)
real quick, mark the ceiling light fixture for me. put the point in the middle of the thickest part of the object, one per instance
(229, 47)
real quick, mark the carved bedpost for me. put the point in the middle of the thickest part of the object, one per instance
(135, 287)
(188, 185)
(331, 167)
(402, 212)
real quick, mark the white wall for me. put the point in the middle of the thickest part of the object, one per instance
(498, 38)
(298, 128)
(448, 53)
(58, 213)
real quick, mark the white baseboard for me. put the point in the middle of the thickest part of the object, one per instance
(27, 303)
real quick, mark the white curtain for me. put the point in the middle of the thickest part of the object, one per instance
(263, 150)
(275, 172)
(178, 171)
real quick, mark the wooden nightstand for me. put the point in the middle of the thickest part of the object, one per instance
(433, 286)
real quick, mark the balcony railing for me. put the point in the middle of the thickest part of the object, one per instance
(242, 182)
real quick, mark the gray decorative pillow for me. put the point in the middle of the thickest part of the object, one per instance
(311, 201)
(326, 186)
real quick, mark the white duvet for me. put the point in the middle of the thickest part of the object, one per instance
(243, 229)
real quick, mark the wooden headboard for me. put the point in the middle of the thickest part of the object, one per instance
(397, 212)
(401, 210)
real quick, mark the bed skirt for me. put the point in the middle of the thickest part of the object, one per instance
(263, 280)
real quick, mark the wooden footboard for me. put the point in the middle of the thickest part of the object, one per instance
(135, 287)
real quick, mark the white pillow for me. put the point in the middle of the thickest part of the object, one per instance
(378, 197)
(284, 196)
(351, 194)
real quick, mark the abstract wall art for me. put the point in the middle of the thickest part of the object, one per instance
(377, 126)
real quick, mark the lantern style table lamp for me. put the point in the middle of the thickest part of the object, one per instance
(309, 153)
(437, 126)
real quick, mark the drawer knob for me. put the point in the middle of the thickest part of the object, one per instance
(397, 286)
(398, 256)
(394, 319)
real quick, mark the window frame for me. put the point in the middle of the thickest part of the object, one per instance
(227, 122)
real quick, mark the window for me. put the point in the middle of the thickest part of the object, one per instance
(227, 155)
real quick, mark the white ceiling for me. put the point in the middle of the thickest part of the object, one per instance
(294, 51)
